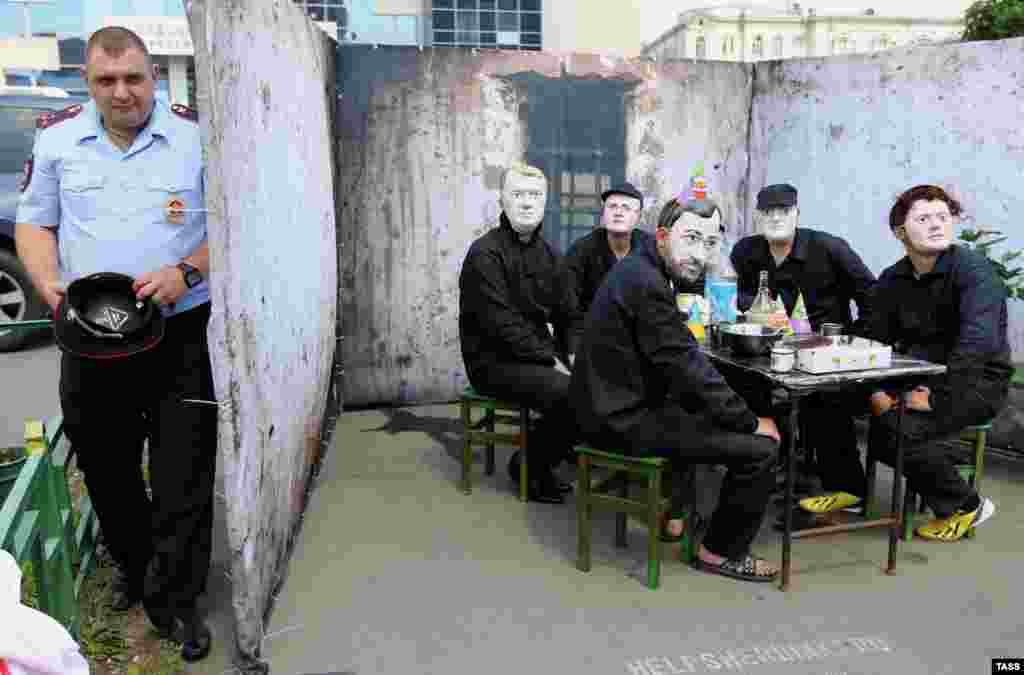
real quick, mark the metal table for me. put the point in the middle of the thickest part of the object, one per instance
(903, 375)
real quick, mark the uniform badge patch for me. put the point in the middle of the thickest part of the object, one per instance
(175, 211)
(26, 174)
(48, 119)
(186, 112)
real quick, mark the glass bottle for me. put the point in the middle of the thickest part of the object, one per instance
(763, 306)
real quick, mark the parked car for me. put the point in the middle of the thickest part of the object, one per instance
(18, 299)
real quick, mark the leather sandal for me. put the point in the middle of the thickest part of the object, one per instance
(663, 533)
(744, 569)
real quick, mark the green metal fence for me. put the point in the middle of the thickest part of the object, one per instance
(39, 524)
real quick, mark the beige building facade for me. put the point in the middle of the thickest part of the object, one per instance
(746, 32)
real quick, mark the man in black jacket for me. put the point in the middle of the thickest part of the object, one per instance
(590, 257)
(945, 304)
(510, 308)
(641, 385)
(827, 274)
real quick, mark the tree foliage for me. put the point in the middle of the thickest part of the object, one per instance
(994, 20)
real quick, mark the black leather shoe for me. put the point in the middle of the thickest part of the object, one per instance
(125, 592)
(193, 635)
(544, 489)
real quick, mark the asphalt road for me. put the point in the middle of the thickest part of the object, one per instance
(28, 388)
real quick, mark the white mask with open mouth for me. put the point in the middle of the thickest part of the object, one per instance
(778, 223)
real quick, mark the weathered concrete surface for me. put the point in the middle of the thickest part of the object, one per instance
(264, 71)
(424, 138)
(428, 580)
(853, 132)
(682, 113)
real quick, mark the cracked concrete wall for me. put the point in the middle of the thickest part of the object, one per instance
(853, 132)
(265, 75)
(424, 138)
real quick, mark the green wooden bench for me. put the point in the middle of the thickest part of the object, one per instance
(481, 432)
(653, 472)
(38, 524)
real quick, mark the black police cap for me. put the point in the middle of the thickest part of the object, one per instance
(623, 189)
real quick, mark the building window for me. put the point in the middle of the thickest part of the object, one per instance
(702, 47)
(728, 45)
(757, 48)
(777, 47)
(505, 24)
(884, 42)
(331, 11)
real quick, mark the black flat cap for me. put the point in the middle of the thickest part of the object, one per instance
(774, 196)
(623, 189)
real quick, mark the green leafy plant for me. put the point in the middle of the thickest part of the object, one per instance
(982, 241)
(994, 20)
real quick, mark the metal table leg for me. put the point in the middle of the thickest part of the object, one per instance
(897, 489)
(787, 532)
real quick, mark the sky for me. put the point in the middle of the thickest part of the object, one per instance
(69, 16)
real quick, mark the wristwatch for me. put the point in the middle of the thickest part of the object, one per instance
(192, 274)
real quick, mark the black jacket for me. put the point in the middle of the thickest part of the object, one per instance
(508, 293)
(954, 315)
(637, 356)
(586, 265)
(822, 266)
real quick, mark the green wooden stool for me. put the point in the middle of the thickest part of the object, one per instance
(653, 471)
(481, 432)
(974, 437)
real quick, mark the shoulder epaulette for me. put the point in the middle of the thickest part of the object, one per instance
(48, 119)
(185, 112)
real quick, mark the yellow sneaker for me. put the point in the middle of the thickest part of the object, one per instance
(829, 503)
(958, 524)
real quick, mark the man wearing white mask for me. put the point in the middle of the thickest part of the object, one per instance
(826, 272)
(509, 295)
(590, 257)
(642, 385)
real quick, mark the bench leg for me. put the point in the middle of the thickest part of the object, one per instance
(467, 451)
(489, 466)
(620, 517)
(524, 433)
(653, 533)
(583, 511)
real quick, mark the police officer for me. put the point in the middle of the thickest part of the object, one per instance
(120, 180)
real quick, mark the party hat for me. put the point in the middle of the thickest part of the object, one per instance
(798, 321)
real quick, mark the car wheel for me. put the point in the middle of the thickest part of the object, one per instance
(18, 301)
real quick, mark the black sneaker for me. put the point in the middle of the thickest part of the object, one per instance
(513, 473)
(125, 592)
(192, 634)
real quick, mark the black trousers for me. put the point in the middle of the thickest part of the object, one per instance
(928, 466)
(543, 389)
(110, 408)
(685, 438)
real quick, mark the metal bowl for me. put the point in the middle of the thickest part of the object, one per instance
(749, 339)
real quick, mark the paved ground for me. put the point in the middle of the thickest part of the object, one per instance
(398, 572)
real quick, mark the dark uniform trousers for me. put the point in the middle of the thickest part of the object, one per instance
(928, 464)
(110, 408)
(684, 439)
(541, 388)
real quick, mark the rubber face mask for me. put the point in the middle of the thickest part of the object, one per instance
(690, 239)
(523, 201)
(778, 223)
(620, 214)
(928, 229)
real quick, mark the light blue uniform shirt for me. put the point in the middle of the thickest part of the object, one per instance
(110, 208)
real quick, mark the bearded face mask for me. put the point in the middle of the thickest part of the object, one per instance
(690, 242)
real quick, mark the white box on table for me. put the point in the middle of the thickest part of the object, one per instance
(859, 354)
